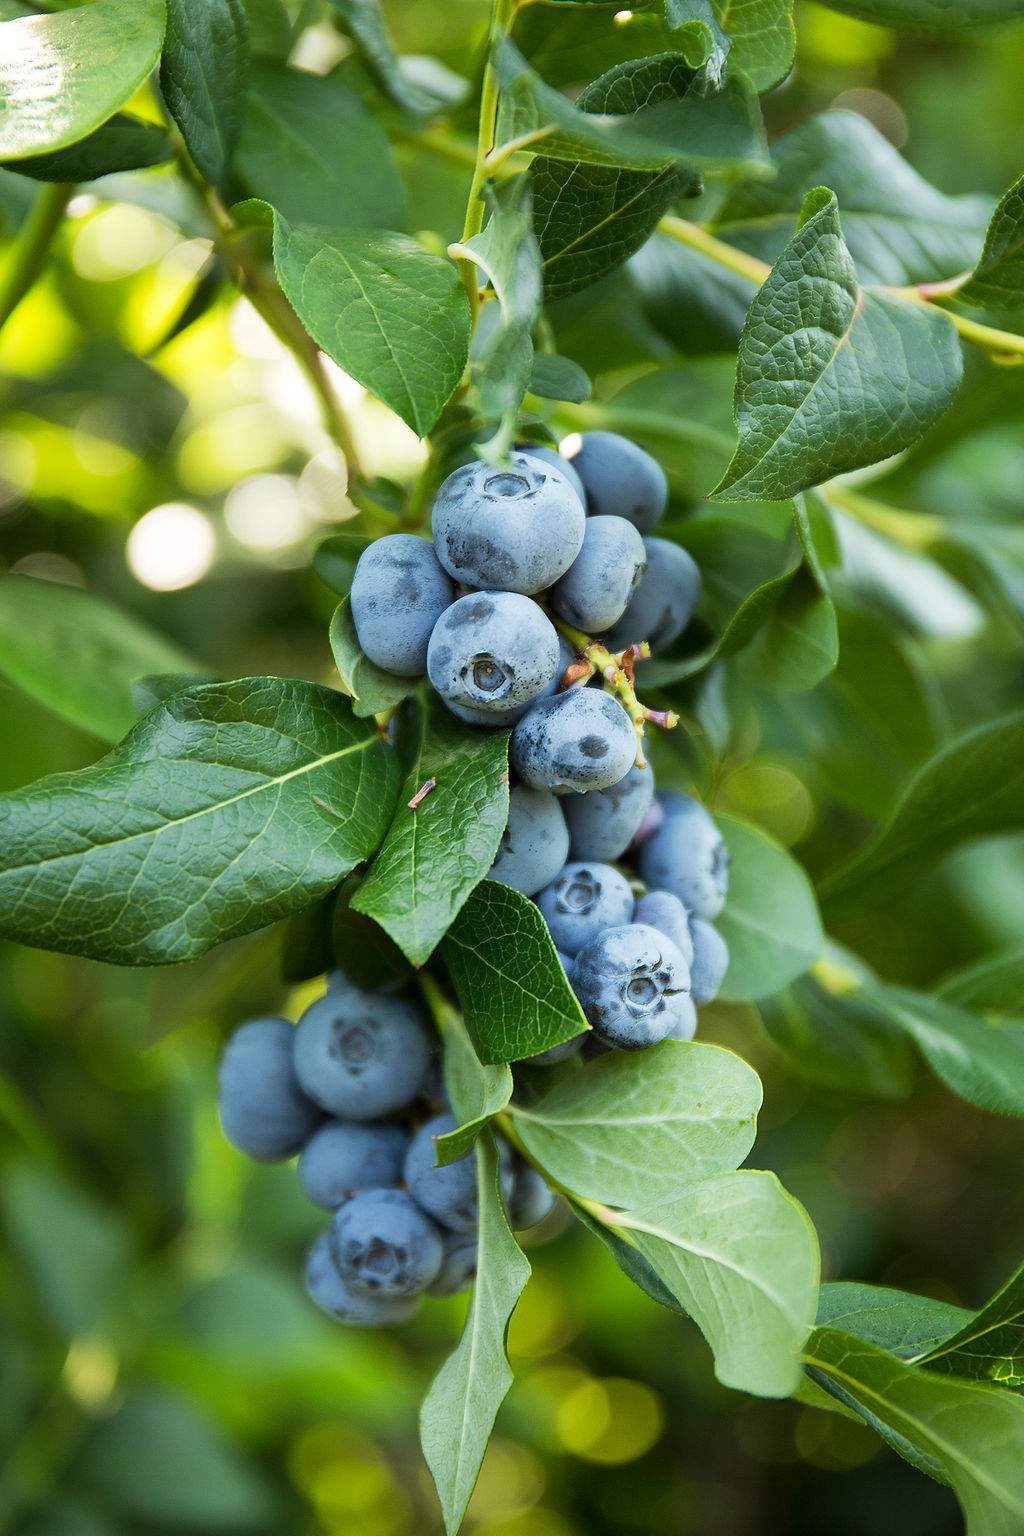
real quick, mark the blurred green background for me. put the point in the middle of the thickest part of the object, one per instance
(160, 1368)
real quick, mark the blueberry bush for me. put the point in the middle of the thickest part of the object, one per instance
(653, 725)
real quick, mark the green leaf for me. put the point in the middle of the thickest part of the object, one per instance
(155, 687)
(460, 1408)
(992, 985)
(902, 1323)
(980, 1061)
(46, 1219)
(972, 786)
(831, 377)
(627, 1129)
(590, 218)
(559, 378)
(477, 1091)
(997, 281)
(77, 654)
(721, 134)
(799, 645)
(295, 151)
(361, 947)
(392, 315)
(630, 1260)
(63, 75)
(763, 38)
(509, 979)
(988, 1346)
(434, 854)
(961, 1434)
(370, 688)
(203, 72)
(837, 1042)
(935, 15)
(363, 22)
(697, 14)
(270, 28)
(741, 1258)
(122, 144)
(229, 806)
(770, 919)
(506, 251)
(897, 227)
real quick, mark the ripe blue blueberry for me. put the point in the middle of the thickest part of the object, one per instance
(358, 1308)
(710, 961)
(382, 1243)
(531, 1200)
(662, 910)
(458, 1267)
(633, 986)
(581, 739)
(664, 600)
(557, 461)
(687, 856)
(506, 717)
(535, 844)
(492, 652)
(621, 480)
(582, 900)
(399, 592)
(513, 529)
(603, 824)
(342, 1158)
(362, 1055)
(595, 589)
(449, 1193)
(685, 1026)
(263, 1110)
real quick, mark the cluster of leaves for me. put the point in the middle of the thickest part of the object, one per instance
(845, 286)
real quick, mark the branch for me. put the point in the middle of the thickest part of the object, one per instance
(501, 15)
(31, 248)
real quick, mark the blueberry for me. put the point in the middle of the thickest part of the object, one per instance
(492, 652)
(333, 1296)
(361, 1054)
(662, 910)
(399, 592)
(383, 1244)
(687, 856)
(263, 1110)
(531, 1200)
(663, 603)
(710, 961)
(595, 589)
(448, 1194)
(621, 480)
(584, 899)
(603, 824)
(515, 529)
(581, 739)
(506, 717)
(633, 986)
(458, 1267)
(557, 461)
(535, 844)
(342, 1158)
(685, 1026)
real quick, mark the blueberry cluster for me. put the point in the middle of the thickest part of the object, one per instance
(639, 963)
(353, 1088)
(520, 555)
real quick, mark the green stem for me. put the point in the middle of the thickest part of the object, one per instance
(1004, 344)
(698, 239)
(31, 248)
(502, 12)
(442, 1011)
(913, 530)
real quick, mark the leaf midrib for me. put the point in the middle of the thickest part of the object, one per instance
(207, 810)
